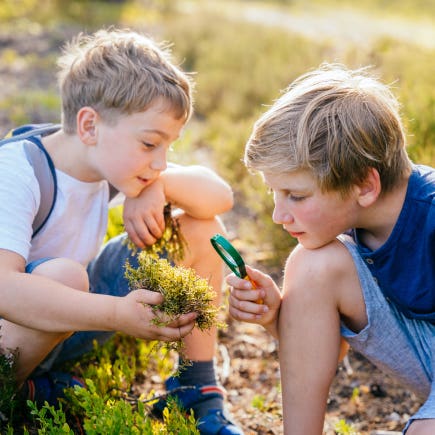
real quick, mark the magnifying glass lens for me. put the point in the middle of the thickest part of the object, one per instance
(229, 260)
(232, 258)
(229, 254)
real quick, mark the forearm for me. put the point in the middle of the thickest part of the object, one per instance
(272, 328)
(40, 303)
(197, 190)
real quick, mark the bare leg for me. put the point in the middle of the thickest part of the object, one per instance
(320, 286)
(422, 427)
(200, 256)
(34, 345)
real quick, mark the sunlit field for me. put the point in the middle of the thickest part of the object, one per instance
(242, 54)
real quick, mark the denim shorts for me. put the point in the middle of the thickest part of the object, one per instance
(399, 346)
(106, 276)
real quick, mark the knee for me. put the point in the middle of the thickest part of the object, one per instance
(314, 276)
(422, 427)
(198, 232)
(65, 271)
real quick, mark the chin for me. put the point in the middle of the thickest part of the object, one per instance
(312, 244)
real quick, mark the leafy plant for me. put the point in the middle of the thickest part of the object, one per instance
(344, 428)
(183, 290)
(8, 386)
(52, 420)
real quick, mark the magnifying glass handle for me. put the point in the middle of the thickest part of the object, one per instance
(259, 301)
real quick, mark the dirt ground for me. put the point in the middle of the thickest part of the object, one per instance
(361, 395)
(366, 399)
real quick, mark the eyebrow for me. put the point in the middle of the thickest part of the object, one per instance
(161, 133)
(154, 131)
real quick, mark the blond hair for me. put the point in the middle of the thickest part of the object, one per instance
(119, 72)
(335, 122)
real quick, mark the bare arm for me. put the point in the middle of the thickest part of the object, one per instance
(197, 190)
(43, 304)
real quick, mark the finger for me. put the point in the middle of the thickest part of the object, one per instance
(237, 282)
(246, 306)
(147, 297)
(133, 235)
(243, 315)
(182, 320)
(160, 221)
(166, 333)
(247, 295)
(153, 226)
(142, 232)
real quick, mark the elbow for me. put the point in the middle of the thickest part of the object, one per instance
(228, 199)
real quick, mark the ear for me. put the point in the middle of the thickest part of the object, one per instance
(86, 125)
(370, 188)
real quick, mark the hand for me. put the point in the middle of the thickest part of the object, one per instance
(143, 215)
(134, 316)
(243, 303)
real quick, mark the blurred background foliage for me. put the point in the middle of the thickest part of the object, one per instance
(242, 53)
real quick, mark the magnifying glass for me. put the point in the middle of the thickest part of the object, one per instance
(232, 258)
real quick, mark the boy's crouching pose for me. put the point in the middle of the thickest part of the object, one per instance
(332, 150)
(123, 104)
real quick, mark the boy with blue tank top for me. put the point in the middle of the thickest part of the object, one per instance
(123, 104)
(332, 150)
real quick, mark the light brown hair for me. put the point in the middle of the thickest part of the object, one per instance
(335, 122)
(119, 72)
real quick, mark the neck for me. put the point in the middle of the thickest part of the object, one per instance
(380, 219)
(69, 155)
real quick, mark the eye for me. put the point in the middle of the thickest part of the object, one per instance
(148, 145)
(296, 198)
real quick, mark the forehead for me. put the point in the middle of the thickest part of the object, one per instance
(300, 180)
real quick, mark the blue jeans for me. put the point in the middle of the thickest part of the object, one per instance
(106, 276)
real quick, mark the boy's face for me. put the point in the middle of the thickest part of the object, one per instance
(132, 153)
(307, 214)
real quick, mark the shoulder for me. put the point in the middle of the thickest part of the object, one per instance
(13, 156)
(421, 184)
(16, 173)
(334, 254)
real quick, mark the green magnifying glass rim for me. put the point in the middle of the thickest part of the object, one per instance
(229, 254)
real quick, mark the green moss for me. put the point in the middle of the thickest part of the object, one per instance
(184, 292)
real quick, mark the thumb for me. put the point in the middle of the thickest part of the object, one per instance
(147, 297)
(256, 276)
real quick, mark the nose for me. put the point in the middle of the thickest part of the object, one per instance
(281, 215)
(159, 161)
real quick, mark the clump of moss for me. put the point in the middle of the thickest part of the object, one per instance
(183, 290)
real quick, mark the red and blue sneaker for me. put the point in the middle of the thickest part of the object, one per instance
(212, 421)
(49, 387)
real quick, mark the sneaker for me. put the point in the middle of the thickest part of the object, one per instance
(215, 422)
(49, 387)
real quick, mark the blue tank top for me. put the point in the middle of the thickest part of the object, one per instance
(404, 266)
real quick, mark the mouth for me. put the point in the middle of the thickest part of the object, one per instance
(295, 234)
(144, 181)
